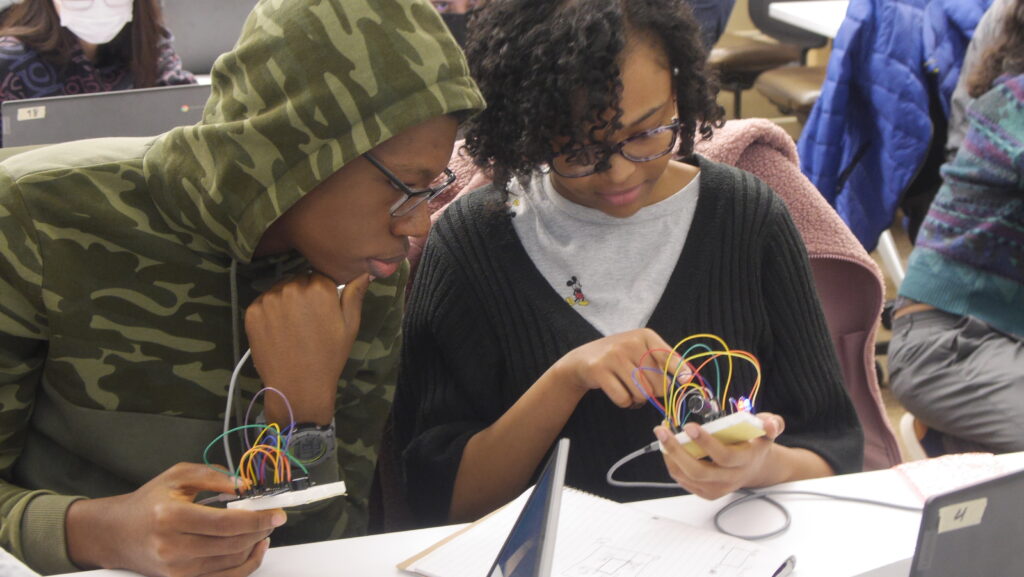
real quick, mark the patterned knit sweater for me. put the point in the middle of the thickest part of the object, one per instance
(969, 258)
(483, 324)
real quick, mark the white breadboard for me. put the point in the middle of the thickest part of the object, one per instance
(734, 428)
(290, 498)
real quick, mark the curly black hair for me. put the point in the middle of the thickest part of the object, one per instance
(550, 70)
(1006, 55)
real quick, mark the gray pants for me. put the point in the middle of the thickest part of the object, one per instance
(961, 377)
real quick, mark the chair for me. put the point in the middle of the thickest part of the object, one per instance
(911, 435)
(793, 89)
(781, 31)
(739, 60)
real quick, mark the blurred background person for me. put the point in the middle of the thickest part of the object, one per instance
(956, 356)
(62, 47)
(455, 14)
(985, 35)
(712, 16)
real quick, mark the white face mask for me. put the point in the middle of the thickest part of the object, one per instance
(95, 21)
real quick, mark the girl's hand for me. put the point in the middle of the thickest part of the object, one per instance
(608, 363)
(728, 467)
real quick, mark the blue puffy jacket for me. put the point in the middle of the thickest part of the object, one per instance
(870, 130)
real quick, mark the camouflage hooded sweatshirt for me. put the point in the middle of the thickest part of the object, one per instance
(126, 264)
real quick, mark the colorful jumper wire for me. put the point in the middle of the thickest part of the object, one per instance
(698, 373)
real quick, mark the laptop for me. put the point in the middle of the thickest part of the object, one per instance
(529, 549)
(204, 29)
(974, 530)
(139, 112)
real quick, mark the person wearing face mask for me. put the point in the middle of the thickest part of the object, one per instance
(60, 47)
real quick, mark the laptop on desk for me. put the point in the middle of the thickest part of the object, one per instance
(140, 112)
(974, 531)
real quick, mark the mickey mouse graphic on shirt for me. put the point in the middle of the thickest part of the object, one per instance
(577, 297)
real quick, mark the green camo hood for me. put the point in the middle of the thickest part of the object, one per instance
(310, 86)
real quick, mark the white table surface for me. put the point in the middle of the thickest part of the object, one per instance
(820, 16)
(820, 536)
(828, 537)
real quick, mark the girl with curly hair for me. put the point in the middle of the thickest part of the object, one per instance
(957, 352)
(603, 237)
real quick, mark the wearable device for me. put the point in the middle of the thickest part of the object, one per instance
(312, 443)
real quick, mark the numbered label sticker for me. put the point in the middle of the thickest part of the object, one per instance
(961, 515)
(31, 113)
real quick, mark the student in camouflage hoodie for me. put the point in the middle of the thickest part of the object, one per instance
(128, 267)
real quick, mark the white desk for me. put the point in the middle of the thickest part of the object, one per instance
(820, 16)
(828, 537)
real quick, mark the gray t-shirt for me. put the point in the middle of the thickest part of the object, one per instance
(612, 270)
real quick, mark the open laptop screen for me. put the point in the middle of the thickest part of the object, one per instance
(137, 112)
(529, 549)
(975, 530)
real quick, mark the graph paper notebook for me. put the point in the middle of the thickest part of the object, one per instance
(601, 538)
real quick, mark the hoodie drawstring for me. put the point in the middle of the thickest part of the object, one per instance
(236, 345)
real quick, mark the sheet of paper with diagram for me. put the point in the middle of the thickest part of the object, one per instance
(601, 538)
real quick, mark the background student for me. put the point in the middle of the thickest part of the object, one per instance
(956, 358)
(539, 295)
(456, 14)
(712, 16)
(58, 47)
(988, 31)
(129, 264)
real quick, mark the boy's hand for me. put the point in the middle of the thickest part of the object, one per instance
(301, 334)
(157, 530)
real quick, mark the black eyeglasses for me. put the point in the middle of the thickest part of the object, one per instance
(641, 147)
(413, 198)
